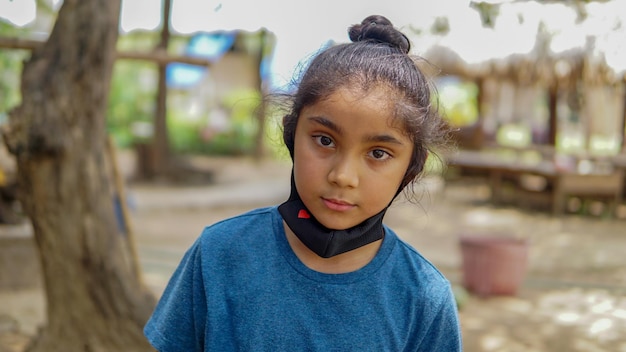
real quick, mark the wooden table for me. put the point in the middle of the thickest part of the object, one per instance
(565, 183)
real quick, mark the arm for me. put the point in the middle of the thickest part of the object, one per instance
(444, 333)
(177, 323)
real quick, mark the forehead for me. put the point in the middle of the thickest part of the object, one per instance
(380, 92)
(357, 112)
(375, 102)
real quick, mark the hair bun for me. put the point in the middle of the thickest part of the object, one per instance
(379, 28)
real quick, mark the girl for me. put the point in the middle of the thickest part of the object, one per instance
(321, 272)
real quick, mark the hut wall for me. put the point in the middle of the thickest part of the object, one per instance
(603, 112)
(505, 103)
(488, 108)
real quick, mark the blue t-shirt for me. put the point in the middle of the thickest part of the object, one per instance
(241, 287)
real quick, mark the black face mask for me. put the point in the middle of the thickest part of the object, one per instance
(322, 240)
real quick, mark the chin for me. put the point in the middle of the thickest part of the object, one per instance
(338, 221)
(333, 225)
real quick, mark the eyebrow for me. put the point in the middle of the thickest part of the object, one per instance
(382, 138)
(327, 123)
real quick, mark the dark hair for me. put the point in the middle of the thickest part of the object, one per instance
(378, 54)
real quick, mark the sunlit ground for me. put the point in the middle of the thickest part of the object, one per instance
(572, 299)
(567, 319)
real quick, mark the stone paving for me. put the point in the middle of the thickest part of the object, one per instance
(573, 297)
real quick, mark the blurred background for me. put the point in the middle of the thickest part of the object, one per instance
(510, 73)
(534, 183)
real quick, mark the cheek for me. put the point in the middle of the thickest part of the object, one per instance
(387, 188)
(390, 182)
(305, 169)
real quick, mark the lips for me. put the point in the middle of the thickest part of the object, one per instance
(337, 205)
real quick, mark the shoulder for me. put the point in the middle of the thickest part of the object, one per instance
(248, 231)
(409, 262)
(428, 295)
(250, 219)
(260, 219)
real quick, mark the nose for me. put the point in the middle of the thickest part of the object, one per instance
(344, 172)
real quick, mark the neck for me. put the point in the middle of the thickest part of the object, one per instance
(321, 240)
(339, 264)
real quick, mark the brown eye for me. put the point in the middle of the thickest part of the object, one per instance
(324, 141)
(379, 154)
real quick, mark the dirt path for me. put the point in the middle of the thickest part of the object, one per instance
(573, 298)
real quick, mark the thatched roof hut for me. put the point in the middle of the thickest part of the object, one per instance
(520, 40)
(573, 52)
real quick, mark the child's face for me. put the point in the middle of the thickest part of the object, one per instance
(349, 160)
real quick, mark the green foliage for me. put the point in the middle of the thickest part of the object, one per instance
(434, 165)
(10, 71)
(192, 135)
(133, 91)
(461, 296)
(131, 99)
(440, 26)
(514, 135)
(141, 41)
(459, 103)
(132, 104)
(189, 116)
(274, 134)
(184, 134)
(488, 12)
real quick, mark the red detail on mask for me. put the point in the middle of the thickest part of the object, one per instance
(303, 214)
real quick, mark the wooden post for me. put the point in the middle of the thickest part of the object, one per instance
(160, 144)
(552, 108)
(623, 128)
(260, 111)
(480, 100)
(120, 195)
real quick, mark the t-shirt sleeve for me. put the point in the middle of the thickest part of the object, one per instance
(444, 333)
(178, 321)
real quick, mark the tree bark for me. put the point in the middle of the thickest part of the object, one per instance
(95, 299)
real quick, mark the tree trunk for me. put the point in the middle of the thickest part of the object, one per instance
(95, 298)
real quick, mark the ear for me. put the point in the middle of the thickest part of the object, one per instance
(415, 168)
(289, 133)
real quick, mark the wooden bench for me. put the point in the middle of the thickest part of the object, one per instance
(501, 166)
(609, 186)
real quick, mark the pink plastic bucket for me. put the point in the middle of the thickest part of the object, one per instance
(493, 265)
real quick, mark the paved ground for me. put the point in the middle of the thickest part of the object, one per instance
(573, 297)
